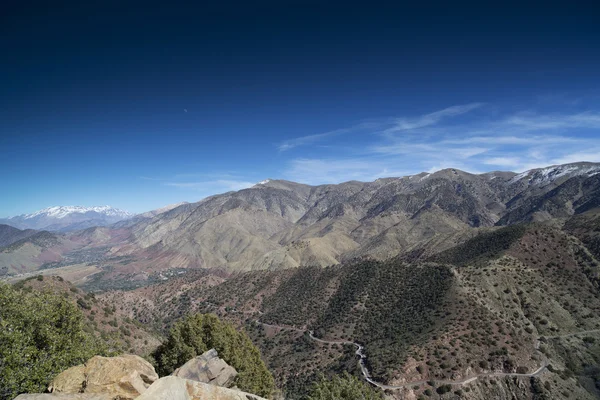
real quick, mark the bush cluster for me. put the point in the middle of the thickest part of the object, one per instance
(196, 334)
(41, 334)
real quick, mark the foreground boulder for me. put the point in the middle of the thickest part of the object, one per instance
(131, 377)
(208, 368)
(124, 377)
(175, 388)
(63, 396)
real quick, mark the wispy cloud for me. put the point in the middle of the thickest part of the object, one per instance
(498, 139)
(319, 171)
(408, 124)
(203, 184)
(535, 121)
(384, 126)
(509, 162)
(311, 139)
(517, 142)
(149, 178)
(207, 188)
(473, 137)
(226, 185)
(592, 156)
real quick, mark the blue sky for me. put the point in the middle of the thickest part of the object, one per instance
(139, 107)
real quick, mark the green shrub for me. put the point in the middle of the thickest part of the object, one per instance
(83, 304)
(444, 389)
(199, 333)
(344, 387)
(41, 334)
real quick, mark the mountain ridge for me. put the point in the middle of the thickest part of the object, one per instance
(282, 224)
(439, 277)
(68, 218)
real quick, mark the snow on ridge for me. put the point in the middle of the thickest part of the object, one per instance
(518, 177)
(63, 211)
(544, 176)
(425, 177)
(263, 182)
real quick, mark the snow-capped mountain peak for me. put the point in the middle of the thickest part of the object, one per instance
(65, 218)
(63, 211)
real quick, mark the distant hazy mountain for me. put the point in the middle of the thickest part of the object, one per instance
(153, 213)
(145, 216)
(68, 218)
(10, 234)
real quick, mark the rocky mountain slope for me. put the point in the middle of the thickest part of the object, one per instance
(279, 224)
(9, 234)
(448, 284)
(512, 313)
(44, 250)
(33, 251)
(68, 218)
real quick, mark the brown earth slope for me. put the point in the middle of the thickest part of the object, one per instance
(500, 306)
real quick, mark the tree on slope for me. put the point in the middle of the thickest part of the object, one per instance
(344, 387)
(199, 333)
(41, 334)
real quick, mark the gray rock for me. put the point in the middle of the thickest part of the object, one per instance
(208, 368)
(64, 396)
(175, 388)
(125, 376)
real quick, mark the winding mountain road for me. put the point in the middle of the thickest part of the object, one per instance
(367, 376)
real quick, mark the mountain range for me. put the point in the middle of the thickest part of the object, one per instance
(513, 312)
(67, 218)
(280, 224)
(448, 283)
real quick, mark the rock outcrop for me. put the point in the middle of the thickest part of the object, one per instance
(125, 377)
(208, 368)
(175, 388)
(167, 388)
(131, 377)
(63, 396)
